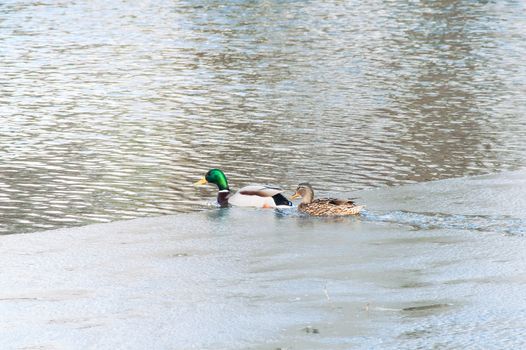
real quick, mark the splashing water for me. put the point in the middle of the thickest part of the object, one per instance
(428, 221)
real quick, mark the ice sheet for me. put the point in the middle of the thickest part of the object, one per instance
(428, 265)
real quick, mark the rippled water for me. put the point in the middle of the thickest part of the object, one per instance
(110, 110)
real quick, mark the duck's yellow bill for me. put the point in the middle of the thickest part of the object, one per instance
(201, 182)
(295, 195)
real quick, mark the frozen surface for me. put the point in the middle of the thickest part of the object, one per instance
(438, 264)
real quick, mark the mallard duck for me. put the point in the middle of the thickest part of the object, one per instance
(325, 206)
(259, 196)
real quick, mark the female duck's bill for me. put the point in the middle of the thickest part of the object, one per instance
(259, 196)
(324, 206)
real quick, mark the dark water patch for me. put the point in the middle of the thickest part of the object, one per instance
(416, 334)
(420, 309)
(425, 308)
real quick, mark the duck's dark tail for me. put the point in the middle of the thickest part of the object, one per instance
(280, 199)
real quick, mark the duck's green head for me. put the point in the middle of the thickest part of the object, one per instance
(214, 176)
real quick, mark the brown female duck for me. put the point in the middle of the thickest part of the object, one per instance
(325, 206)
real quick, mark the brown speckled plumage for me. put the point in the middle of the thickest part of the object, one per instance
(325, 206)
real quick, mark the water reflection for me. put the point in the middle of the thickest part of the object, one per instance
(111, 111)
(446, 98)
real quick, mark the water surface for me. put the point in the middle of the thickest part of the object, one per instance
(110, 110)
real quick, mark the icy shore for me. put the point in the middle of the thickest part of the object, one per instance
(432, 264)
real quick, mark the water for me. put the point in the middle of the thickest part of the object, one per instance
(111, 110)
